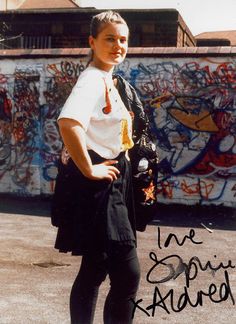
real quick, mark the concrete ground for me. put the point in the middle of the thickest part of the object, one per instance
(36, 280)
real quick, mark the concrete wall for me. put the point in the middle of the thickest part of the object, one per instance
(191, 102)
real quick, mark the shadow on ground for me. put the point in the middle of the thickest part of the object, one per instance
(176, 215)
(214, 217)
(25, 205)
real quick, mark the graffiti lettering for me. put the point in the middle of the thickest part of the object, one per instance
(190, 104)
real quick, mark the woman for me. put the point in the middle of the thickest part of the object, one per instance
(96, 129)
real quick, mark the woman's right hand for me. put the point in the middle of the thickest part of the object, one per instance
(104, 171)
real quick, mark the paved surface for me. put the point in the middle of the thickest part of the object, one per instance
(36, 279)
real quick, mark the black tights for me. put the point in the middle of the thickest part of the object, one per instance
(122, 266)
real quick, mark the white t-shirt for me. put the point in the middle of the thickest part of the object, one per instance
(96, 104)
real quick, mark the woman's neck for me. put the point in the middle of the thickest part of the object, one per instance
(102, 67)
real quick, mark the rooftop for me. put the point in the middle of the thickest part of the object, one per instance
(229, 34)
(47, 4)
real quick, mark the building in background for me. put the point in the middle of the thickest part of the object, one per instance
(38, 4)
(33, 24)
(10, 4)
(217, 38)
(64, 24)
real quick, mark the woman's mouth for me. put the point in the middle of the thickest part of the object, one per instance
(116, 54)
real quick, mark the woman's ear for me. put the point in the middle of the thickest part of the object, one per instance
(91, 42)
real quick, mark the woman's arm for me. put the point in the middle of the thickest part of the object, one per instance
(73, 136)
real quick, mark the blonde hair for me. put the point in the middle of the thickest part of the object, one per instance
(100, 20)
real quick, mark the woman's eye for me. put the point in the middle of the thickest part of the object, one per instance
(110, 39)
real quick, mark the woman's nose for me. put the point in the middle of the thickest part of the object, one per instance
(117, 44)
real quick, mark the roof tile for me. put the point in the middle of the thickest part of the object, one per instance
(48, 4)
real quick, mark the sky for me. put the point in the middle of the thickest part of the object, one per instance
(199, 15)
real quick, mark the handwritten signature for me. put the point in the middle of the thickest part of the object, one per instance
(173, 266)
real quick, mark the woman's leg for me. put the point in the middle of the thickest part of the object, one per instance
(85, 289)
(124, 273)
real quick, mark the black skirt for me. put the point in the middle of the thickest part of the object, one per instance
(93, 214)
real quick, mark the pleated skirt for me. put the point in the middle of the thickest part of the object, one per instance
(93, 214)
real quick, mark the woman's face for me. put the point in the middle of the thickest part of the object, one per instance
(110, 46)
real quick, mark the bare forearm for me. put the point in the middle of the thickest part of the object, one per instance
(73, 136)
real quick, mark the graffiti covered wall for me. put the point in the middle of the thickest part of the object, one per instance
(191, 103)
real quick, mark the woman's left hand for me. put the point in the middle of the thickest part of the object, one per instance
(104, 171)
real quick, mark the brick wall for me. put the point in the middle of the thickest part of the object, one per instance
(71, 28)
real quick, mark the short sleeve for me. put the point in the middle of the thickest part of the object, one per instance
(85, 97)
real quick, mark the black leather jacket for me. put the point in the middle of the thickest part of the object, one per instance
(133, 104)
